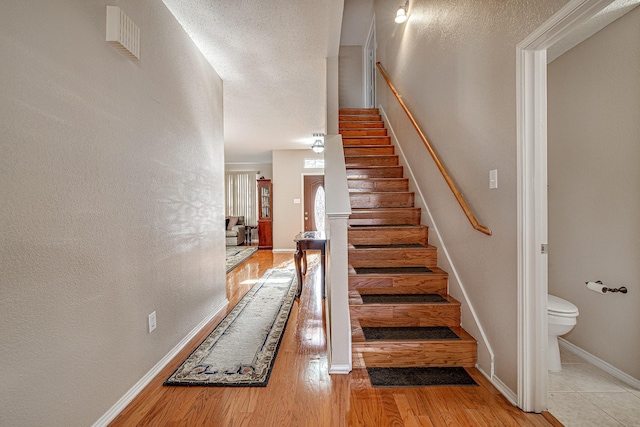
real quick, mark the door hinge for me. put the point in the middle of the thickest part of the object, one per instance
(544, 248)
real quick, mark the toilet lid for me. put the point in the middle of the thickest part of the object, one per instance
(560, 306)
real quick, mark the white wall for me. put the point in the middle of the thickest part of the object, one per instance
(111, 181)
(594, 188)
(351, 77)
(454, 63)
(356, 20)
(288, 170)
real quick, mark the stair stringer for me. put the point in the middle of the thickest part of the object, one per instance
(469, 317)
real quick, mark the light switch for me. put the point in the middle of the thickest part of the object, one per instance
(493, 179)
(296, 201)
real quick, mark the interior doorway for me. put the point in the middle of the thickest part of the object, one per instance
(370, 67)
(532, 197)
(314, 203)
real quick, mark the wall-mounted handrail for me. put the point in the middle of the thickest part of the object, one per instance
(452, 185)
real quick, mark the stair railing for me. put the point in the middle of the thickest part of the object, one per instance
(452, 185)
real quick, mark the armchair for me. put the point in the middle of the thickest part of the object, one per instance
(235, 232)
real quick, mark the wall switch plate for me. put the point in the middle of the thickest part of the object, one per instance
(296, 201)
(493, 179)
(152, 321)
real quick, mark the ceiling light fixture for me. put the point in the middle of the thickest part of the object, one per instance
(318, 144)
(401, 14)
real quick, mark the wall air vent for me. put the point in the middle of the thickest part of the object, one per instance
(122, 33)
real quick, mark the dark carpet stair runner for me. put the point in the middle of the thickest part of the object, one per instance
(405, 327)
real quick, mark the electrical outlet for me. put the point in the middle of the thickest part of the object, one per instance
(493, 179)
(152, 321)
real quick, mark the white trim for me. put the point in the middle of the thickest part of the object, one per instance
(340, 369)
(532, 229)
(435, 229)
(369, 97)
(338, 209)
(122, 403)
(502, 387)
(599, 363)
(531, 82)
(283, 250)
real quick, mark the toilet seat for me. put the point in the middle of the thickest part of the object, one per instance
(560, 307)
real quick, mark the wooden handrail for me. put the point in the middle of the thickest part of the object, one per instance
(452, 185)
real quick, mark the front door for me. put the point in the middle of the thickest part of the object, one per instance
(314, 203)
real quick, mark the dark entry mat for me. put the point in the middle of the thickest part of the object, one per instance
(409, 333)
(420, 377)
(392, 270)
(401, 298)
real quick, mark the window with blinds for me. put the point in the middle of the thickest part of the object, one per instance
(241, 196)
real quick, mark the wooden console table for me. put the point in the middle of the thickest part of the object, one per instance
(309, 240)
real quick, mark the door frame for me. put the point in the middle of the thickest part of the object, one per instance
(304, 200)
(369, 58)
(531, 81)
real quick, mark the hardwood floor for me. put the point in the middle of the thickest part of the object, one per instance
(301, 393)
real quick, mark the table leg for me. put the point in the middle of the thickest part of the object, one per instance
(303, 261)
(322, 264)
(297, 256)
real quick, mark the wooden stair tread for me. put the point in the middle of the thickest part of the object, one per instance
(386, 210)
(398, 299)
(396, 290)
(384, 216)
(383, 193)
(394, 246)
(404, 310)
(350, 124)
(369, 150)
(353, 141)
(357, 110)
(364, 138)
(373, 146)
(388, 227)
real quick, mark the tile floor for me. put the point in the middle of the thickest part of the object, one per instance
(584, 395)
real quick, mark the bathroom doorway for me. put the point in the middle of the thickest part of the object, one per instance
(532, 195)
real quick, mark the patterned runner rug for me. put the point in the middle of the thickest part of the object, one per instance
(236, 255)
(241, 350)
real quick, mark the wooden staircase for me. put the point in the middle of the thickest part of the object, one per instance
(401, 314)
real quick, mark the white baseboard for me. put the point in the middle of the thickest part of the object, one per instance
(596, 361)
(502, 387)
(339, 369)
(122, 403)
(284, 250)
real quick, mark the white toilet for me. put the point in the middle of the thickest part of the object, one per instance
(561, 315)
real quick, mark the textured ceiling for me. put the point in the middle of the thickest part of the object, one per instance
(271, 56)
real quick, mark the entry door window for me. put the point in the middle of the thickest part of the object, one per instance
(318, 209)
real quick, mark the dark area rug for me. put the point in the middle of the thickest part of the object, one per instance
(420, 377)
(392, 270)
(401, 298)
(409, 333)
